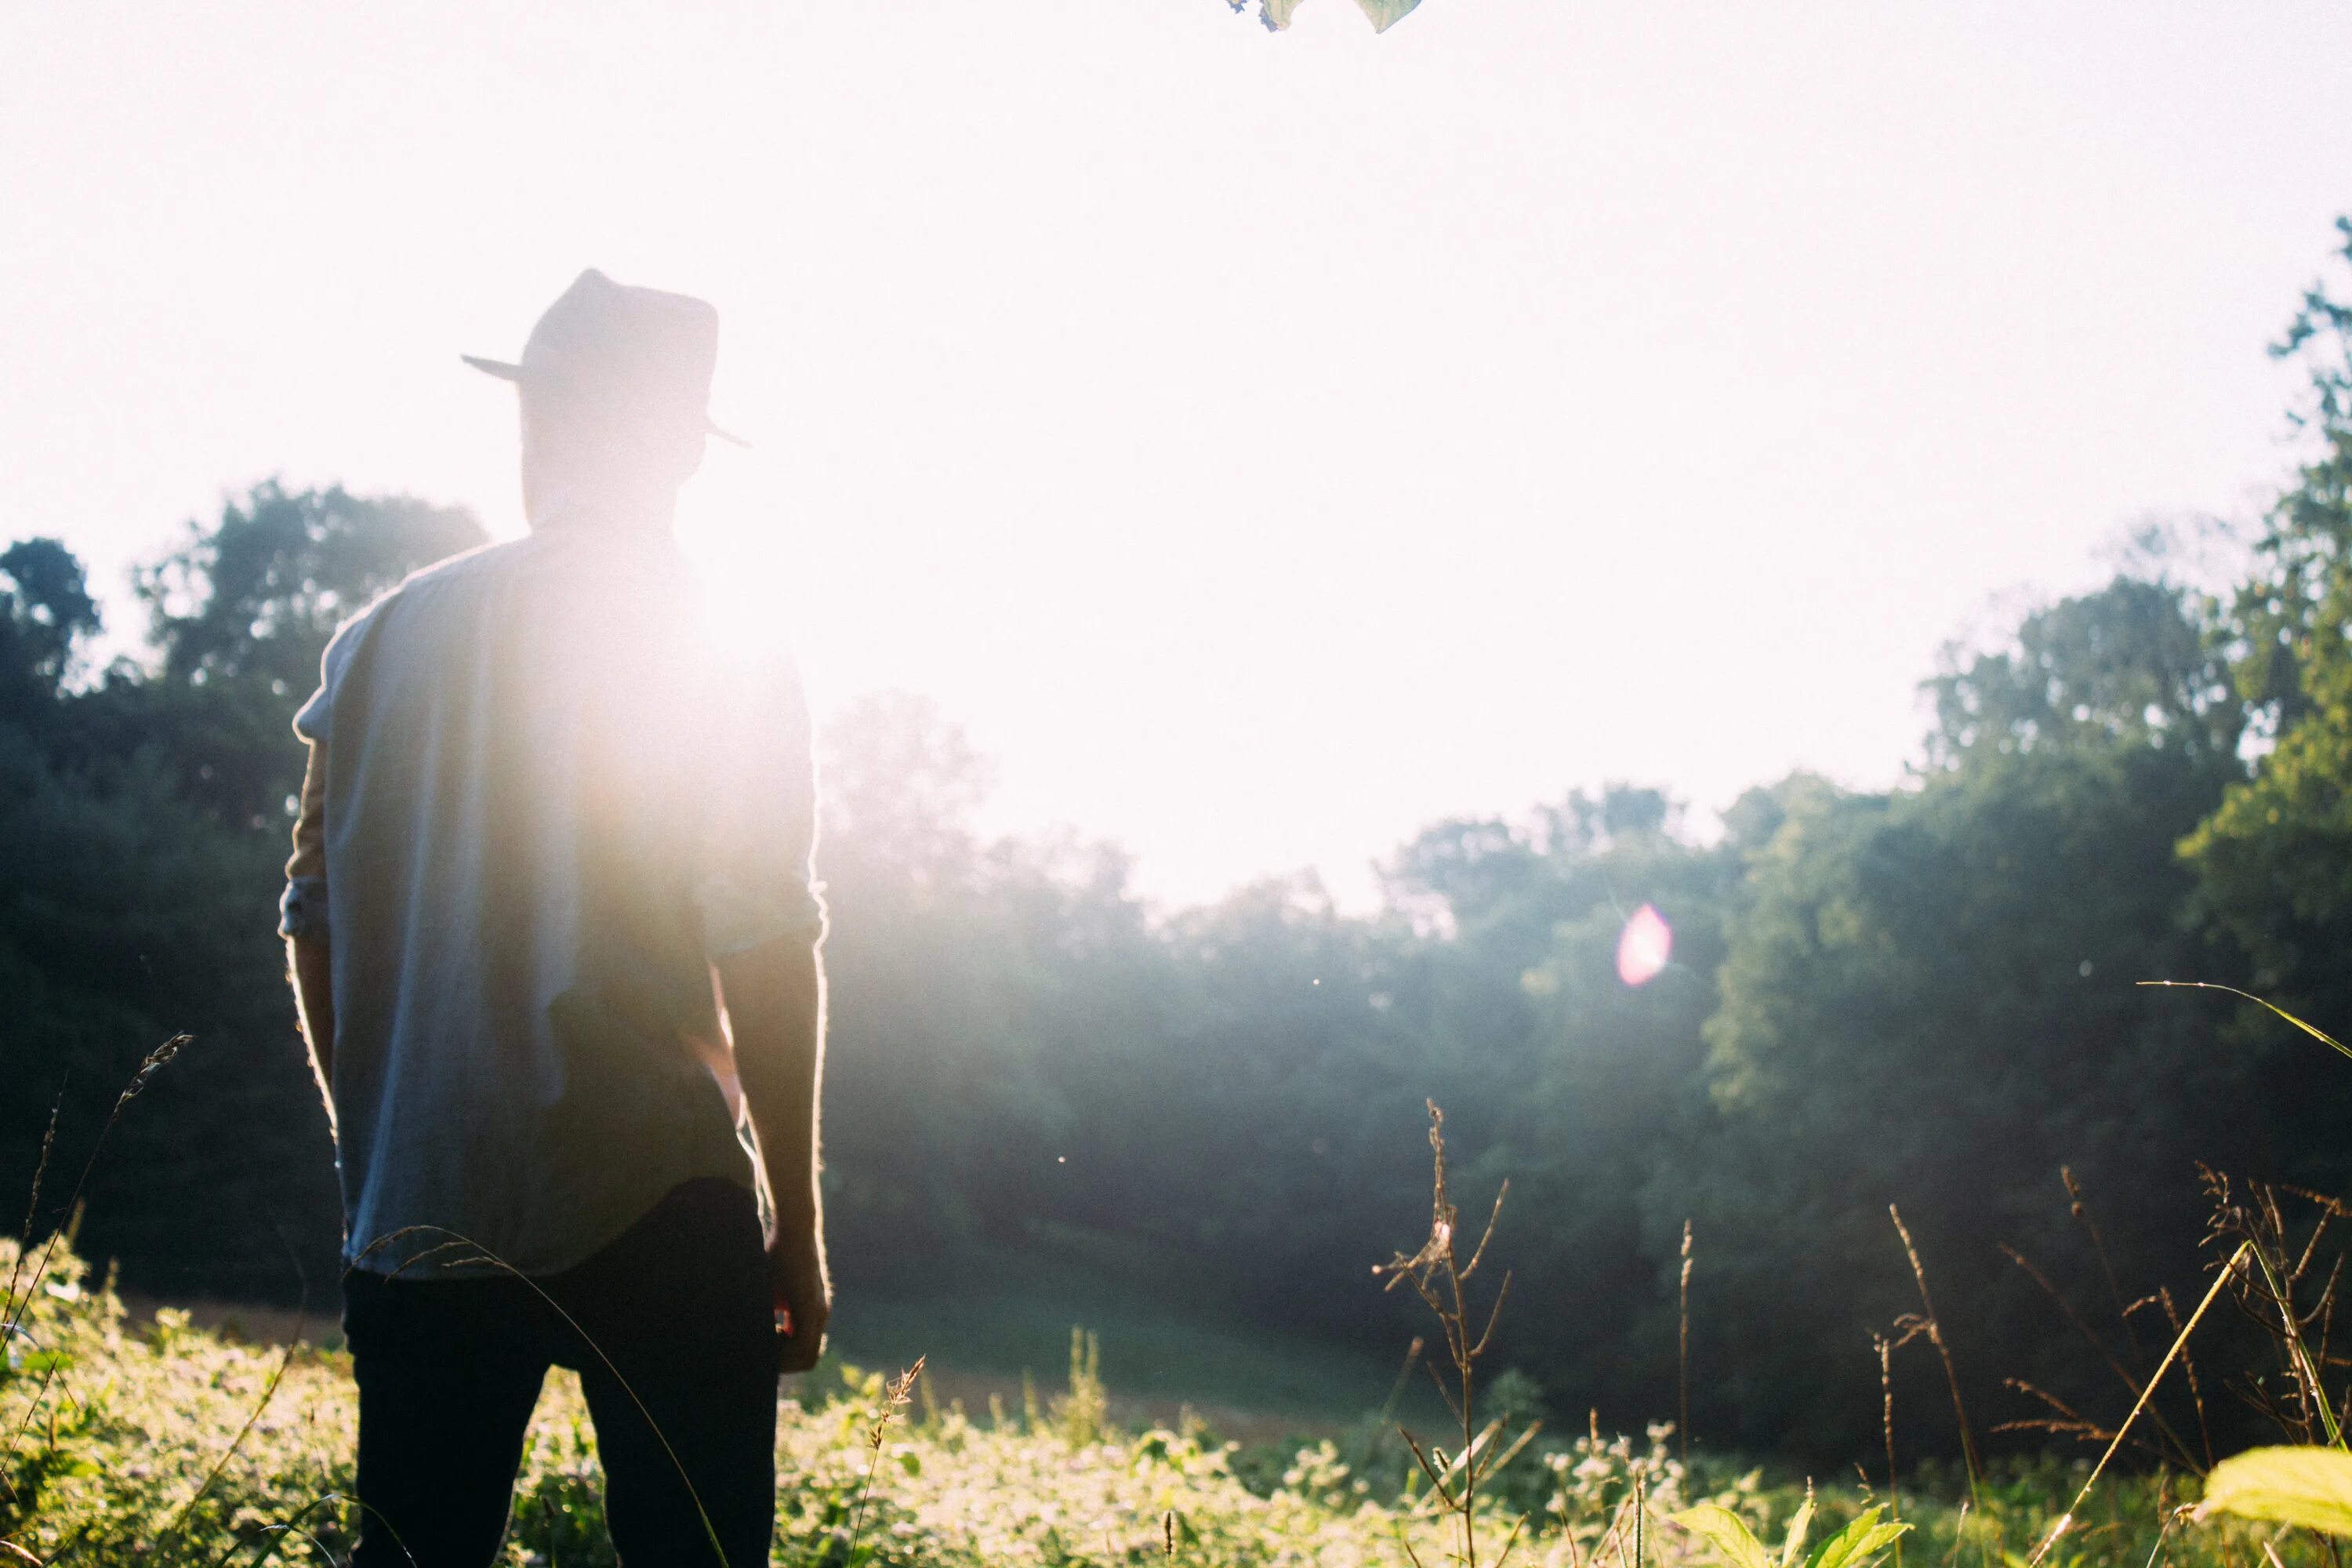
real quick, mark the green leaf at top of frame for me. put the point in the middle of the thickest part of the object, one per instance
(1384, 14)
(2309, 1487)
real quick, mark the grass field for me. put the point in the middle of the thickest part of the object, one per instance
(166, 1443)
(986, 1319)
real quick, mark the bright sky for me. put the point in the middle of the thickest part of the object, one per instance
(1262, 444)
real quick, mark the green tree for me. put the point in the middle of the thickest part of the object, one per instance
(1607, 1082)
(45, 610)
(240, 611)
(2275, 860)
(1929, 1000)
(257, 594)
(2132, 666)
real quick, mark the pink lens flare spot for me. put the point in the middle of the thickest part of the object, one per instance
(1647, 943)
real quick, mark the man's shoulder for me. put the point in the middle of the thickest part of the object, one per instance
(426, 584)
(478, 564)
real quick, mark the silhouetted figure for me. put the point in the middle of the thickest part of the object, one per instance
(545, 838)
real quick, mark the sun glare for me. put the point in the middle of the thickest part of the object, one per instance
(1644, 947)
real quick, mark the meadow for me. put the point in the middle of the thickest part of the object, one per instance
(142, 1438)
(157, 1443)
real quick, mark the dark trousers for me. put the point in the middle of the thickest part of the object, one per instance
(449, 1371)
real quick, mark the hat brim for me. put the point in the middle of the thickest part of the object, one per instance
(505, 371)
(496, 367)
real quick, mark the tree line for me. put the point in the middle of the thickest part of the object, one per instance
(1923, 997)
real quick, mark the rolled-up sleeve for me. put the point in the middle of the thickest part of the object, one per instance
(757, 883)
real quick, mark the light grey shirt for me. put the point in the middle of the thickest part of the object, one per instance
(541, 806)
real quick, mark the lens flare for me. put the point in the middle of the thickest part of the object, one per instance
(1644, 947)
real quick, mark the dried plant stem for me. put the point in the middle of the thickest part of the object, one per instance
(154, 1062)
(2067, 1519)
(2082, 1214)
(13, 1310)
(2131, 1384)
(9, 1312)
(1928, 1325)
(1886, 1424)
(1441, 1278)
(1682, 1353)
(893, 1399)
(2188, 1369)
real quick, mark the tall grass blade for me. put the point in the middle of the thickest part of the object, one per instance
(2067, 1519)
(2316, 1033)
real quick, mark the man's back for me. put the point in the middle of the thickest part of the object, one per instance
(527, 765)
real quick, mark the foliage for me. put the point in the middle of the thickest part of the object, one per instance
(113, 1453)
(45, 609)
(2310, 1486)
(2273, 860)
(155, 1443)
(1860, 1543)
(1384, 14)
(1927, 1001)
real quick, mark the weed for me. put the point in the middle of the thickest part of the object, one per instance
(895, 1398)
(1924, 1321)
(1442, 1279)
(1082, 1413)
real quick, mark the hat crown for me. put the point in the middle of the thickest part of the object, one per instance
(627, 348)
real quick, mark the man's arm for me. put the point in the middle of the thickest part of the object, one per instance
(774, 997)
(303, 922)
(310, 963)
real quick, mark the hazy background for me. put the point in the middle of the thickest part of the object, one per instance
(1263, 445)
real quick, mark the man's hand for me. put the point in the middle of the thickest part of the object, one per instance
(774, 997)
(804, 1299)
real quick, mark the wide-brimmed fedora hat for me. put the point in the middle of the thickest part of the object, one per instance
(629, 351)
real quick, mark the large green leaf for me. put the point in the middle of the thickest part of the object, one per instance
(1726, 1532)
(1857, 1543)
(2310, 1486)
(1795, 1541)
